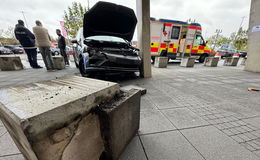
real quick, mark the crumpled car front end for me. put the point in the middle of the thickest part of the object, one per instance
(111, 57)
(107, 30)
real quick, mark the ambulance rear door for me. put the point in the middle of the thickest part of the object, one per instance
(156, 29)
(174, 38)
(191, 33)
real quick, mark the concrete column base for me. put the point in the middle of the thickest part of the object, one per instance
(119, 123)
(231, 61)
(211, 61)
(243, 62)
(10, 63)
(161, 62)
(59, 62)
(187, 62)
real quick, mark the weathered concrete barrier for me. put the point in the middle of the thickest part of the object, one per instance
(231, 61)
(119, 123)
(243, 62)
(52, 120)
(129, 87)
(211, 61)
(58, 62)
(161, 62)
(10, 63)
(188, 61)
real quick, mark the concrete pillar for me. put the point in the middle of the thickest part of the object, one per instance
(253, 60)
(143, 26)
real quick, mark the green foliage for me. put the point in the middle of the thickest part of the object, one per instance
(73, 18)
(240, 42)
(237, 40)
(220, 40)
(7, 36)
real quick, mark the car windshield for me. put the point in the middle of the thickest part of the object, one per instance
(106, 38)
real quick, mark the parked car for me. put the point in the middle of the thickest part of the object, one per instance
(106, 48)
(226, 52)
(242, 53)
(15, 49)
(56, 51)
(4, 50)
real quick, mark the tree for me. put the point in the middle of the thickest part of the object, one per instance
(240, 40)
(7, 36)
(1, 33)
(237, 40)
(221, 40)
(73, 18)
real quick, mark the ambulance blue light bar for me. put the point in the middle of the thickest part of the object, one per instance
(172, 21)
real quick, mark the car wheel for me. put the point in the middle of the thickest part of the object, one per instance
(202, 58)
(82, 69)
(75, 60)
(56, 53)
(77, 65)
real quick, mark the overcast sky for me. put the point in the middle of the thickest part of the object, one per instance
(211, 14)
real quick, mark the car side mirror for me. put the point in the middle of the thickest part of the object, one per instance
(74, 40)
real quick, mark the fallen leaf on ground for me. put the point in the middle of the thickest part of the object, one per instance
(253, 89)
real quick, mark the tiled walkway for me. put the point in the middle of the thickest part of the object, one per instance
(195, 113)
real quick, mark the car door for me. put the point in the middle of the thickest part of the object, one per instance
(198, 45)
(78, 47)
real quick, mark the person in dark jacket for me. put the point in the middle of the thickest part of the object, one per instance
(27, 40)
(62, 46)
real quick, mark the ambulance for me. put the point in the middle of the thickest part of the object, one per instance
(177, 39)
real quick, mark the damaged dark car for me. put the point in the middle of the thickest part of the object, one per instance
(103, 44)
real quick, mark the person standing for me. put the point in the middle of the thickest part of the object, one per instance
(62, 46)
(43, 41)
(27, 40)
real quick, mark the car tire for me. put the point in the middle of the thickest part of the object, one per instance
(75, 60)
(56, 53)
(77, 65)
(202, 58)
(82, 69)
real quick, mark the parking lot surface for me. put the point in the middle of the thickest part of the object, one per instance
(198, 113)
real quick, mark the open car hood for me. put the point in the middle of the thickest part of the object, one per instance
(109, 19)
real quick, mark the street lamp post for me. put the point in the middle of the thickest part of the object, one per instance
(24, 18)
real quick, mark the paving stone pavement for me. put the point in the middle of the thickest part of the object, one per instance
(188, 113)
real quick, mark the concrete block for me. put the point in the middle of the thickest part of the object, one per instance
(161, 62)
(188, 61)
(58, 62)
(119, 122)
(211, 61)
(231, 61)
(48, 119)
(129, 87)
(10, 63)
(243, 62)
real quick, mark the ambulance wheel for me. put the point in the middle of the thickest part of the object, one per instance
(202, 58)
